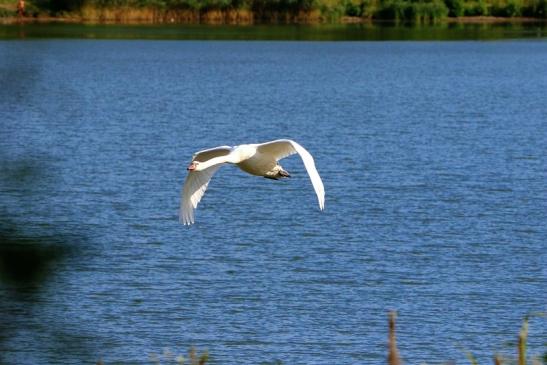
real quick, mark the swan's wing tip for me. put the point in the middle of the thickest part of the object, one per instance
(322, 204)
(194, 187)
(186, 215)
(186, 222)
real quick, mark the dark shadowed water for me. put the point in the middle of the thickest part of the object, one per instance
(368, 31)
(433, 156)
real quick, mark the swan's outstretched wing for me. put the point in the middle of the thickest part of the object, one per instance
(197, 181)
(210, 153)
(192, 192)
(282, 148)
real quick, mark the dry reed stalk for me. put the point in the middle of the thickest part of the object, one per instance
(196, 359)
(212, 17)
(497, 360)
(240, 16)
(523, 335)
(471, 358)
(309, 16)
(393, 354)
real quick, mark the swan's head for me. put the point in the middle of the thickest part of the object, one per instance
(193, 166)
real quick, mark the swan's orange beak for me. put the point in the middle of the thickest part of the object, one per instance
(191, 167)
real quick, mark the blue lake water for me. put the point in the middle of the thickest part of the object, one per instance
(433, 156)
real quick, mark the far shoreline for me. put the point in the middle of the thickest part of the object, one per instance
(343, 21)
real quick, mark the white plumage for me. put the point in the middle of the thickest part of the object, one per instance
(255, 159)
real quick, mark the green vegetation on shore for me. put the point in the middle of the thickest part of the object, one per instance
(274, 11)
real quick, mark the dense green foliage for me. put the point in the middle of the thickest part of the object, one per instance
(314, 10)
(413, 10)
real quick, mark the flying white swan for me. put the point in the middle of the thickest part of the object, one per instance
(255, 159)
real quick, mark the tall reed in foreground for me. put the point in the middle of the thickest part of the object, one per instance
(523, 336)
(393, 357)
(393, 354)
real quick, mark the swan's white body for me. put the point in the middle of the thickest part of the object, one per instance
(255, 159)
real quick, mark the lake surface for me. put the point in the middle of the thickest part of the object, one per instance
(433, 156)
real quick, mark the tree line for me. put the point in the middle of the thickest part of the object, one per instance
(299, 10)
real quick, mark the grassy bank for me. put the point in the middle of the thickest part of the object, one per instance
(274, 11)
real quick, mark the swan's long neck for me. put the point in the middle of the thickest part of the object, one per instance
(239, 154)
(214, 161)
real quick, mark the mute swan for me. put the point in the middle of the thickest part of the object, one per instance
(255, 159)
